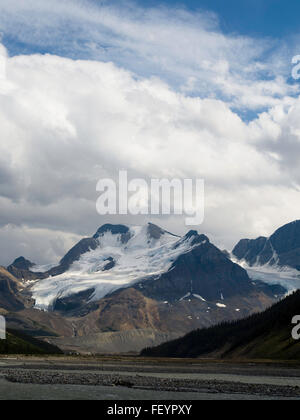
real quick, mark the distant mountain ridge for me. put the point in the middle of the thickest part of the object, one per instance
(281, 249)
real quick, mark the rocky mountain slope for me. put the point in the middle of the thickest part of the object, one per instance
(281, 249)
(128, 341)
(265, 335)
(10, 288)
(20, 269)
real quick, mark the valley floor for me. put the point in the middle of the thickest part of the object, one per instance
(131, 378)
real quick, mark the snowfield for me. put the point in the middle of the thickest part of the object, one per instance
(286, 277)
(139, 258)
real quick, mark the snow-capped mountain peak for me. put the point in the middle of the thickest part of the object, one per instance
(120, 256)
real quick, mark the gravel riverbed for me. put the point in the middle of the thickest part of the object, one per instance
(46, 377)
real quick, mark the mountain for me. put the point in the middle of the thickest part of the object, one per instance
(133, 279)
(282, 249)
(22, 269)
(10, 289)
(158, 264)
(265, 335)
(22, 264)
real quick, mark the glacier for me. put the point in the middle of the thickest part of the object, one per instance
(272, 274)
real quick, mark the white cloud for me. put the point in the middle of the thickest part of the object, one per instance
(184, 49)
(66, 123)
(42, 244)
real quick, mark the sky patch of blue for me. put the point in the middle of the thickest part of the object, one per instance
(267, 18)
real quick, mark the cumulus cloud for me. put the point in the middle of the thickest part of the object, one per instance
(185, 49)
(67, 123)
(157, 94)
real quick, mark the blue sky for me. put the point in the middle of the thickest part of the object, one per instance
(275, 18)
(257, 18)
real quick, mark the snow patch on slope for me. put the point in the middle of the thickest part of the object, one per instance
(199, 297)
(272, 274)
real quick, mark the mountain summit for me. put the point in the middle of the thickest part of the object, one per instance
(281, 249)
